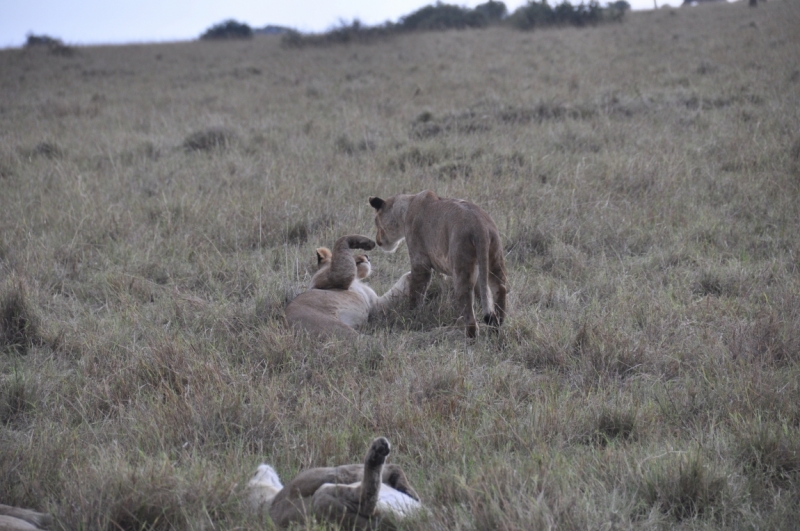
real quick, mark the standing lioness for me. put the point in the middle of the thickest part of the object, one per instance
(453, 237)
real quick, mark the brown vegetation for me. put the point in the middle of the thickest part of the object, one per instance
(643, 177)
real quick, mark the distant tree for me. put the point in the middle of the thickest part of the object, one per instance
(564, 13)
(293, 39)
(539, 14)
(229, 29)
(353, 32)
(616, 10)
(41, 40)
(55, 46)
(493, 11)
(532, 15)
(443, 16)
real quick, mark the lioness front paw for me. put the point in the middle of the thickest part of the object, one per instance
(361, 242)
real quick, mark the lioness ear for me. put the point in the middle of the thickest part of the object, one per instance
(376, 202)
(323, 253)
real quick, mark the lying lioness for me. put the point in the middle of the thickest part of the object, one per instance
(453, 237)
(337, 300)
(17, 519)
(354, 496)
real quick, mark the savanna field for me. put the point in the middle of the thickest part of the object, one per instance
(160, 204)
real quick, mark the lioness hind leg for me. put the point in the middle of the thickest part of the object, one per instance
(464, 284)
(497, 285)
(500, 304)
(495, 319)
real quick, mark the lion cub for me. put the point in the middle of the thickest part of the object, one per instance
(337, 300)
(454, 237)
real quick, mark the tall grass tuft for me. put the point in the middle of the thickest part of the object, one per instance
(20, 324)
(215, 138)
(770, 451)
(683, 486)
(16, 397)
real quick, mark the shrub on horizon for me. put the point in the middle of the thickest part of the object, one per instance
(541, 14)
(345, 33)
(54, 45)
(41, 40)
(616, 10)
(443, 16)
(229, 29)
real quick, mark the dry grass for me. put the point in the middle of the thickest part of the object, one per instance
(161, 203)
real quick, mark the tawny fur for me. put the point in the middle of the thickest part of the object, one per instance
(16, 519)
(340, 265)
(354, 496)
(325, 310)
(454, 237)
(262, 488)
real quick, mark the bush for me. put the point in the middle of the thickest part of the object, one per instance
(540, 14)
(532, 15)
(53, 45)
(41, 40)
(293, 39)
(493, 11)
(616, 10)
(443, 16)
(344, 34)
(229, 29)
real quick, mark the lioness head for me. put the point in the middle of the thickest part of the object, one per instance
(389, 222)
(263, 487)
(363, 265)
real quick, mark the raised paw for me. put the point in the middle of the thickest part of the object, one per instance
(360, 242)
(491, 320)
(378, 451)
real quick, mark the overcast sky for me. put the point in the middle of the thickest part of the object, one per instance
(134, 21)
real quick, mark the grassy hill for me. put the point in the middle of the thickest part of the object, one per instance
(160, 204)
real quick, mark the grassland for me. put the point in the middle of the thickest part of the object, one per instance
(159, 205)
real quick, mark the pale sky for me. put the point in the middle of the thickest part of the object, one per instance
(137, 21)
